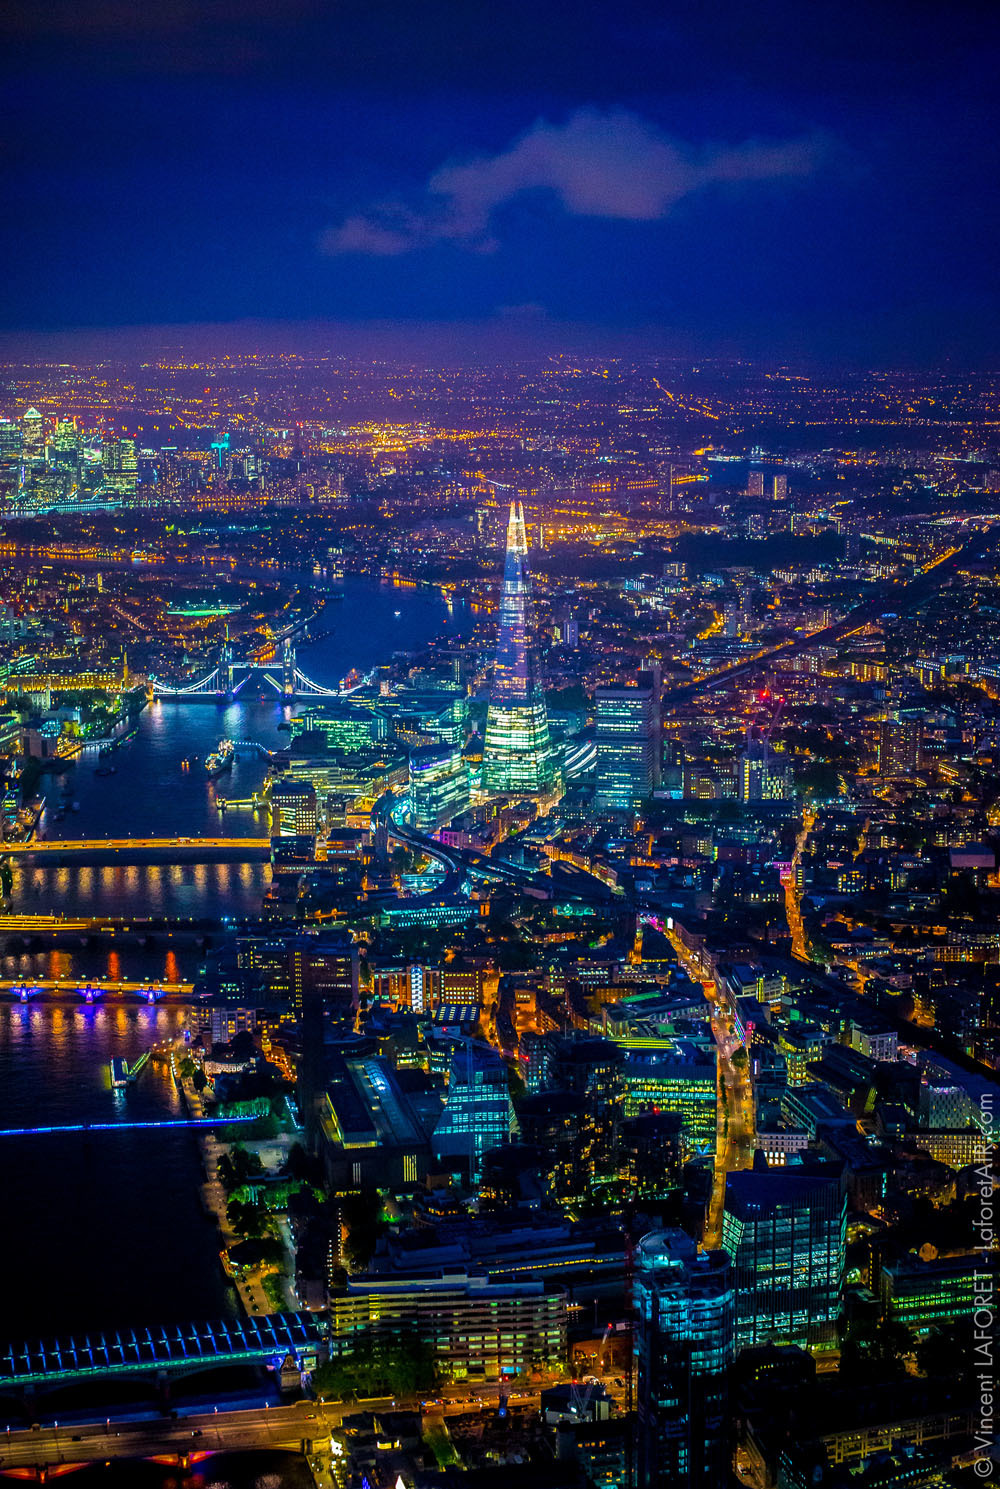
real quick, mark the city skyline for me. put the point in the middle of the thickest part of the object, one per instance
(500, 865)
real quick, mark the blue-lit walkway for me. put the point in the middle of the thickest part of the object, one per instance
(173, 1350)
(127, 1126)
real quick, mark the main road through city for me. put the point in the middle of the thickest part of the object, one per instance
(284, 1426)
(236, 1428)
(734, 1133)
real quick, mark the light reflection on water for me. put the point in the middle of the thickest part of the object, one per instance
(91, 964)
(149, 795)
(92, 1222)
(262, 1470)
(178, 890)
(89, 1218)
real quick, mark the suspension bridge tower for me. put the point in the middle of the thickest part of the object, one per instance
(226, 667)
(288, 668)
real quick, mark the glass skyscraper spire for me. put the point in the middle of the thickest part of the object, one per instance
(518, 757)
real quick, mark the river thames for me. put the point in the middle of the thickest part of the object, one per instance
(151, 795)
(91, 1221)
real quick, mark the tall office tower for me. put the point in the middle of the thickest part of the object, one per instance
(11, 447)
(898, 747)
(591, 1069)
(11, 441)
(33, 426)
(628, 744)
(518, 757)
(779, 487)
(129, 467)
(785, 1235)
(684, 1345)
(121, 466)
(64, 451)
(221, 453)
(753, 769)
(762, 776)
(478, 1113)
(755, 483)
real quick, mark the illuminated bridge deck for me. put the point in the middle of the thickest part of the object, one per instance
(97, 986)
(80, 848)
(161, 1124)
(15, 924)
(174, 1349)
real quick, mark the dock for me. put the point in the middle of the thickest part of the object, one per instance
(123, 1074)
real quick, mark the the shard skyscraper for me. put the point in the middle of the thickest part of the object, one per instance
(518, 757)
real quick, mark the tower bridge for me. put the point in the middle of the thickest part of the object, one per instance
(230, 676)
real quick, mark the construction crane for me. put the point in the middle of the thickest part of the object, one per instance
(579, 1399)
(772, 707)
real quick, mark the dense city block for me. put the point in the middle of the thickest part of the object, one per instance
(505, 862)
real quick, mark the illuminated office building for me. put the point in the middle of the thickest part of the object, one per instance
(476, 1328)
(454, 983)
(478, 1113)
(342, 727)
(64, 451)
(927, 1295)
(518, 758)
(439, 785)
(11, 441)
(121, 466)
(11, 447)
(628, 744)
(293, 809)
(785, 1235)
(683, 1081)
(684, 1345)
(762, 776)
(33, 425)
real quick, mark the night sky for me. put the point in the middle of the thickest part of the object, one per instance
(791, 180)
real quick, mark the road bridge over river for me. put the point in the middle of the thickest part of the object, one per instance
(140, 850)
